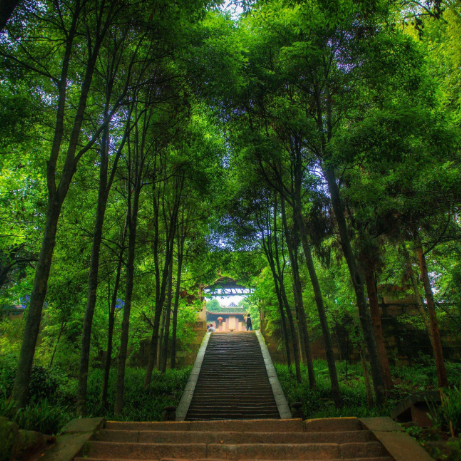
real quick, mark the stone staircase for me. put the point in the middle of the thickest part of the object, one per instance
(233, 403)
(233, 381)
(325, 439)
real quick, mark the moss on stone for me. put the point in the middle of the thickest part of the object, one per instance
(30, 442)
(9, 439)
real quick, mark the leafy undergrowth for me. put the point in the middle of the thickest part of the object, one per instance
(53, 396)
(317, 403)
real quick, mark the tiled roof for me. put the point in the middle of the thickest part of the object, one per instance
(233, 311)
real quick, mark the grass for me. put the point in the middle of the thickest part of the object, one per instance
(53, 393)
(317, 403)
(53, 397)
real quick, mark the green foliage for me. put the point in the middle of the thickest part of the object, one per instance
(317, 403)
(448, 414)
(213, 305)
(48, 413)
(140, 404)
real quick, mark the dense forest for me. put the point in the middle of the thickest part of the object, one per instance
(309, 149)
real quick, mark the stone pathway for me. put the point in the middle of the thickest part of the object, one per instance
(232, 382)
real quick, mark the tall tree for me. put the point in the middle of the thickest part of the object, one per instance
(78, 29)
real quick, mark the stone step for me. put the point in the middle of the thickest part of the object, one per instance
(243, 391)
(259, 396)
(237, 408)
(332, 425)
(264, 425)
(106, 435)
(287, 451)
(381, 458)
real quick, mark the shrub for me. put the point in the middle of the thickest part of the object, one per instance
(7, 372)
(42, 384)
(449, 412)
(42, 416)
(139, 404)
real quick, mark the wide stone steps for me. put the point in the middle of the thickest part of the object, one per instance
(233, 381)
(298, 451)
(233, 437)
(270, 440)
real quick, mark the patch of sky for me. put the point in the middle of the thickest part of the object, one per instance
(233, 8)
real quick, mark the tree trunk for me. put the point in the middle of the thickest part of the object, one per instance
(166, 336)
(286, 336)
(63, 323)
(158, 289)
(160, 297)
(110, 335)
(377, 325)
(181, 239)
(34, 314)
(132, 226)
(366, 377)
(438, 351)
(335, 391)
(269, 245)
(359, 288)
(93, 275)
(291, 326)
(160, 338)
(419, 300)
(294, 340)
(303, 332)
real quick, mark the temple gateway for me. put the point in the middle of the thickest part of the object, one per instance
(228, 318)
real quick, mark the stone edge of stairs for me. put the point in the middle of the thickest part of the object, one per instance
(280, 400)
(395, 440)
(72, 438)
(188, 393)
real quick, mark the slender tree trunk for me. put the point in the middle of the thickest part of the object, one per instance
(366, 377)
(160, 338)
(110, 335)
(294, 341)
(300, 339)
(63, 323)
(438, 351)
(268, 244)
(160, 297)
(335, 391)
(132, 226)
(93, 274)
(286, 336)
(359, 288)
(34, 314)
(377, 325)
(279, 270)
(166, 336)
(419, 300)
(158, 289)
(181, 239)
(304, 334)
